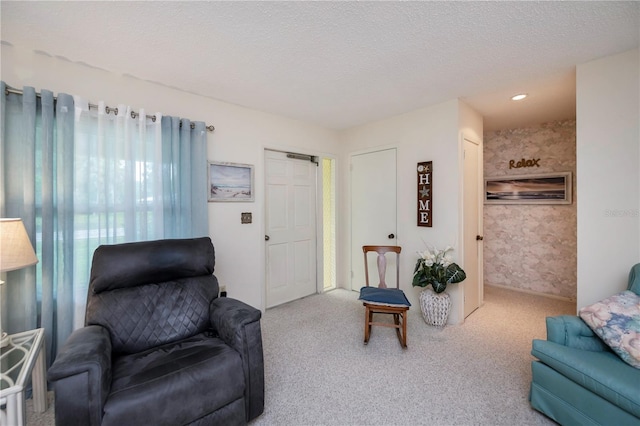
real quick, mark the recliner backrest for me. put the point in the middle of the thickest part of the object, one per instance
(153, 292)
(634, 279)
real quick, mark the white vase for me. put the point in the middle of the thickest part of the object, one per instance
(435, 307)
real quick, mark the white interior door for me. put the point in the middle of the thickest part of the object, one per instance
(290, 228)
(472, 217)
(373, 211)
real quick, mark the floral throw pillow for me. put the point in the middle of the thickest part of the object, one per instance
(616, 320)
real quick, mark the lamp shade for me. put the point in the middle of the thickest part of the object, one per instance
(16, 250)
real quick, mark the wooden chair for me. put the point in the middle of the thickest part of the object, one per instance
(383, 300)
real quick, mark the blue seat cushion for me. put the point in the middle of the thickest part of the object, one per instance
(384, 296)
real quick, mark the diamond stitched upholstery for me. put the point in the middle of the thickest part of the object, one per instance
(142, 317)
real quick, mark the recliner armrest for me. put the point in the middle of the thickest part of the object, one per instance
(238, 324)
(228, 316)
(570, 330)
(81, 374)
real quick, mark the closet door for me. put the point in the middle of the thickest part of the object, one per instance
(373, 210)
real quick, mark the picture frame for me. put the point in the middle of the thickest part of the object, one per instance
(548, 188)
(230, 182)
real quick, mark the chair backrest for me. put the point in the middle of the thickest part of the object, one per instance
(152, 292)
(382, 263)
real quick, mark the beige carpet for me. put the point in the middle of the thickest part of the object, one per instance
(318, 372)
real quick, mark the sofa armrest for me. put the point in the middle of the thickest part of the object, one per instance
(570, 330)
(81, 375)
(238, 324)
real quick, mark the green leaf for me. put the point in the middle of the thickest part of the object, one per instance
(455, 274)
(438, 287)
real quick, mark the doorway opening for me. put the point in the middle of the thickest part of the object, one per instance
(328, 224)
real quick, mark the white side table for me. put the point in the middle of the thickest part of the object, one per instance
(22, 359)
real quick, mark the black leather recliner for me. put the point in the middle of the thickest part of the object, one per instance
(159, 347)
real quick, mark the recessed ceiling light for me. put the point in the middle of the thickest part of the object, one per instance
(519, 97)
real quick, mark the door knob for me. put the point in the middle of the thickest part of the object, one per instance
(479, 238)
(266, 238)
(391, 236)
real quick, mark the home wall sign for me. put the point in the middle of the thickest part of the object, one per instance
(524, 163)
(425, 194)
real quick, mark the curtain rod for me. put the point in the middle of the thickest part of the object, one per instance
(107, 109)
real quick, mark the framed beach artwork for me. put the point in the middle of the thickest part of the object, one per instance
(230, 182)
(552, 188)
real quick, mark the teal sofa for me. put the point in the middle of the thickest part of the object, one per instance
(578, 380)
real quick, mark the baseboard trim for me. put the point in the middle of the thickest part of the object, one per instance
(535, 293)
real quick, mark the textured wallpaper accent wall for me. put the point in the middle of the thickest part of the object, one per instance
(531, 247)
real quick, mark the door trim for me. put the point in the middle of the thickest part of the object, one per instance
(480, 188)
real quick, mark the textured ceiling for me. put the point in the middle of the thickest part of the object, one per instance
(341, 64)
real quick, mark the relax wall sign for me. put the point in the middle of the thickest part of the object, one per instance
(425, 193)
(524, 163)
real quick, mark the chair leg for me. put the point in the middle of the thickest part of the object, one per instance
(367, 324)
(396, 321)
(401, 329)
(404, 329)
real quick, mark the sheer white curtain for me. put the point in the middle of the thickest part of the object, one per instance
(81, 177)
(117, 185)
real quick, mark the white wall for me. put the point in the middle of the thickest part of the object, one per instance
(471, 123)
(428, 134)
(241, 135)
(608, 174)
